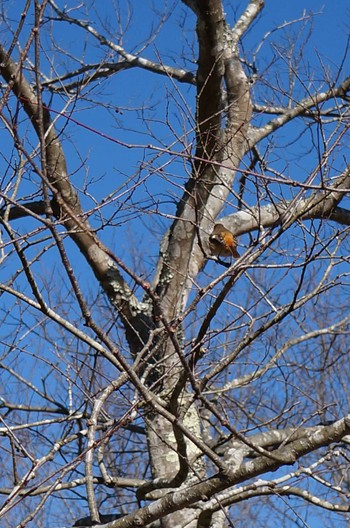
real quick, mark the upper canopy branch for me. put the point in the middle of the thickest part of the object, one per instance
(245, 20)
(299, 109)
(130, 60)
(92, 72)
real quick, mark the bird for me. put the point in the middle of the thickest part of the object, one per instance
(222, 242)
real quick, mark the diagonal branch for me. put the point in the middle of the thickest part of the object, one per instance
(130, 60)
(322, 436)
(66, 205)
(322, 204)
(300, 109)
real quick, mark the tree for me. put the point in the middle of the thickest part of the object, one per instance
(174, 386)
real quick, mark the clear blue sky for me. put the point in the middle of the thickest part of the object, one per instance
(114, 109)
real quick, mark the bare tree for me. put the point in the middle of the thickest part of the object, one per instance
(150, 374)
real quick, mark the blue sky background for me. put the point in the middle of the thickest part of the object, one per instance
(137, 107)
(125, 91)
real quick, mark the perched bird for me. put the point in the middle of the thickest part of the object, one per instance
(222, 242)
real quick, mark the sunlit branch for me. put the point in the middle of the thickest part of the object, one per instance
(300, 109)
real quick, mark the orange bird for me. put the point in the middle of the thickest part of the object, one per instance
(222, 242)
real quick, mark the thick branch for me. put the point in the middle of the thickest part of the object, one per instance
(323, 436)
(322, 204)
(221, 142)
(66, 205)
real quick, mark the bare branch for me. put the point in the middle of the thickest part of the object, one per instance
(300, 109)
